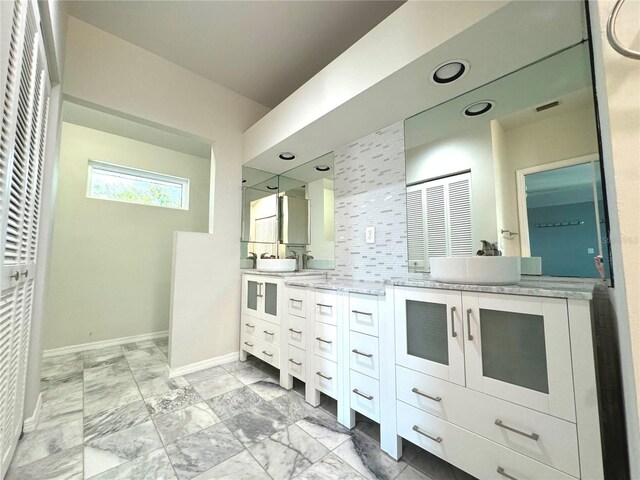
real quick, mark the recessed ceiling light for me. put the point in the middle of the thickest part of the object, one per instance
(449, 71)
(271, 187)
(478, 108)
(323, 168)
(286, 156)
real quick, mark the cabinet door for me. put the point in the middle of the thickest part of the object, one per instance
(252, 296)
(517, 348)
(429, 332)
(270, 292)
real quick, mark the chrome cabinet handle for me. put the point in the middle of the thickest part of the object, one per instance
(323, 376)
(469, 336)
(260, 289)
(501, 471)
(532, 436)
(295, 363)
(249, 325)
(358, 312)
(267, 353)
(295, 300)
(418, 392)
(324, 305)
(453, 324)
(363, 395)
(25, 273)
(320, 339)
(299, 332)
(268, 332)
(15, 276)
(248, 344)
(357, 352)
(416, 428)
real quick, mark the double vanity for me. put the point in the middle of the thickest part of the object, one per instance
(497, 380)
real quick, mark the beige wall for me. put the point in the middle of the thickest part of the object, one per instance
(111, 261)
(572, 134)
(107, 71)
(618, 87)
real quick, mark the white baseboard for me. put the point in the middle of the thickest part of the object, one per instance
(104, 343)
(196, 367)
(31, 422)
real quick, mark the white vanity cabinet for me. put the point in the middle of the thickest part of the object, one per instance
(263, 329)
(510, 377)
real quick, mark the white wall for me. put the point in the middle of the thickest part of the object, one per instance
(111, 261)
(618, 90)
(102, 69)
(320, 195)
(463, 151)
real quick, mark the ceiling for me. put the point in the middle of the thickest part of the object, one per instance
(263, 50)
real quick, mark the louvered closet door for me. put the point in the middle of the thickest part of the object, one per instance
(24, 118)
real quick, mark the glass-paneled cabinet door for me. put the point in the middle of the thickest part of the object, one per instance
(517, 348)
(252, 295)
(429, 332)
(271, 291)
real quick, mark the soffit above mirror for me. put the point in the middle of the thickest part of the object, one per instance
(513, 37)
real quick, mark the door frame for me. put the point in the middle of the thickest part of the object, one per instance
(521, 192)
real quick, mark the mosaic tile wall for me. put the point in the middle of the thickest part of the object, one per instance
(370, 191)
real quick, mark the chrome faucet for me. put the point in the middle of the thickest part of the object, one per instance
(305, 259)
(294, 254)
(489, 249)
(252, 256)
(265, 255)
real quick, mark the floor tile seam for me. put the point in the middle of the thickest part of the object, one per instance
(154, 425)
(256, 460)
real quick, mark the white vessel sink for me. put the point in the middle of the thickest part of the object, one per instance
(276, 265)
(476, 270)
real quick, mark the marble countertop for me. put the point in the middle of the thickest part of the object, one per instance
(581, 289)
(302, 273)
(340, 286)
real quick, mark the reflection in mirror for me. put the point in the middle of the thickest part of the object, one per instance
(524, 174)
(309, 184)
(289, 215)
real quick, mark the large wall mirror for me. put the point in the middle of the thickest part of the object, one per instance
(289, 214)
(516, 163)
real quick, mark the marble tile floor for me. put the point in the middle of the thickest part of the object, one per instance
(113, 414)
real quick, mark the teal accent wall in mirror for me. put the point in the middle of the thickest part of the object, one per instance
(290, 213)
(525, 173)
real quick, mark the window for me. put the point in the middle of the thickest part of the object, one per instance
(439, 219)
(124, 184)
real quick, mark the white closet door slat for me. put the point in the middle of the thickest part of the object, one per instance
(416, 227)
(459, 200)
(436, 221)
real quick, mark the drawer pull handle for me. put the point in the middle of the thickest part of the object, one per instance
(299, 332)
(532, 436)
(323, 376)
(295, 363)
(453, 324)
(297, 300)
(320, 339)
(416, 391)
(416, 428)
(249, 325)
(248, 344)
(469, 336)
(324, 305)
(267, 353)
(358, 312)
(268, 332)
(501, 471)
(357, 352)
(363, 395)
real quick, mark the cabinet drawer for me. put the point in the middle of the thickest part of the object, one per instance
(326, 341)
(363, 314)
(326, 307)
(266, 331)
(556, 443)
(295, 331)
(263, 350)
(325, 376)
(364, 393)
(478, 456)
(363, 354)
(296, 299)
(296, 360)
